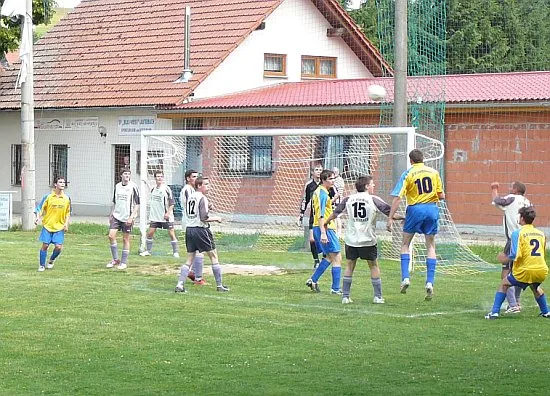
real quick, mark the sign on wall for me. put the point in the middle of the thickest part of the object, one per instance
(133, 125)
(5, 210)
(69, 123)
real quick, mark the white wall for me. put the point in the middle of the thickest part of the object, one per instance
(90, 156)
(295, 28)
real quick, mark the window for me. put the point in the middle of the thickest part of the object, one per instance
(16, 164)
(59, 154)
(248, 155)
(318, 67)
(350, 154)
(274, 65)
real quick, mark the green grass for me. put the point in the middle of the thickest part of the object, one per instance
(81, 329)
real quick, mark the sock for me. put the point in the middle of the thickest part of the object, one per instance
(174, 246)
(149, 245)
(336, 275)
(346, 286)
(499, 299)
(314, 253)
(517, 294)
(184, 271)
(541, 301)
(124, 259)
(217, 270)
(430, 270)
(55, 254)
(114, 251)
(377, 286)
(198, 265)
(43, 255)
(511, 296)
(320, 270)
(405, 261)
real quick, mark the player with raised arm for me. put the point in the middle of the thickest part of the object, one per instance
(510, 205)
(125, 210)
(529, 269)
(362, 209)
(198, 236)
(161, 214)
(324, 234)
(196, 272)
(309, 189)
(422, 187)
(54, 210)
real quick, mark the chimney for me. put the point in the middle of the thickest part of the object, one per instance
(187, 72)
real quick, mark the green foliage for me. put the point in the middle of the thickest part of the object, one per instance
(10, 31)
(462, 36)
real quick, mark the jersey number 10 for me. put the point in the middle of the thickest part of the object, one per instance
(424, 186)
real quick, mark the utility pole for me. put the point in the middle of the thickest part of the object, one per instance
(400, 86)
(28, 171)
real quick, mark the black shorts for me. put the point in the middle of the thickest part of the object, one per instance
(363, 252)
(116, 224)
(507, 248)
(199, 238)
(165, 225)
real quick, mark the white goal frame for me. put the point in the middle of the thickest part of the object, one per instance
(406, 132)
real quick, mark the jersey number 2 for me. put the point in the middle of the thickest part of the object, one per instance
(535, 243)
(424, 186)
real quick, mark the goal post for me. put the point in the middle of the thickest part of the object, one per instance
(258, 177)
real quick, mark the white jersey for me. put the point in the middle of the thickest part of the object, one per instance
(511, 204)
(196, 210)
(185, 193)
(160, 200)
(125, 198)
(362, 210)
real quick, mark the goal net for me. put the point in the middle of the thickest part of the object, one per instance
(258, 176)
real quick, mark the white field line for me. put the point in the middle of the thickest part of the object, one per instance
(353, 309)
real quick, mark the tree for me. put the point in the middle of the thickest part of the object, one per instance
(478, 36)
(10, 31)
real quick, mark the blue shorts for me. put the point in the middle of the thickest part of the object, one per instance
(514, 282)
(57, 238)
(422, 219)
(333, 245)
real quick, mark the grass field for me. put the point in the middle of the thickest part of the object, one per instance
(81, 329)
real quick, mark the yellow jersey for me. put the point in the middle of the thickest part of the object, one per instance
(419, 184)
(55, 211)
(527, 251)
(321, 204)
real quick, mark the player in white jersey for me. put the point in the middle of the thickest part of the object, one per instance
(198, 236)
(362, 209)
(125, 210)
(510, 204)
(196, 272)
(161, 214)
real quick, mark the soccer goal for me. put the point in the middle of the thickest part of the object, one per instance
(258, 176)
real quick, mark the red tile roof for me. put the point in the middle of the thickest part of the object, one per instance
(465, 88)
(129, 53)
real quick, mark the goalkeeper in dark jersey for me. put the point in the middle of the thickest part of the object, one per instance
(309, 189)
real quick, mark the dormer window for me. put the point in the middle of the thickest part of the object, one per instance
(274, 65)
(318, 67)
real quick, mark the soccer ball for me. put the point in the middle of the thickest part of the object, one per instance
(376, 92)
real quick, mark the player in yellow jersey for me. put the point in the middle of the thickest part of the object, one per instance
(422, 187)
(54, 210)
(324, 234)
(529, 266)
